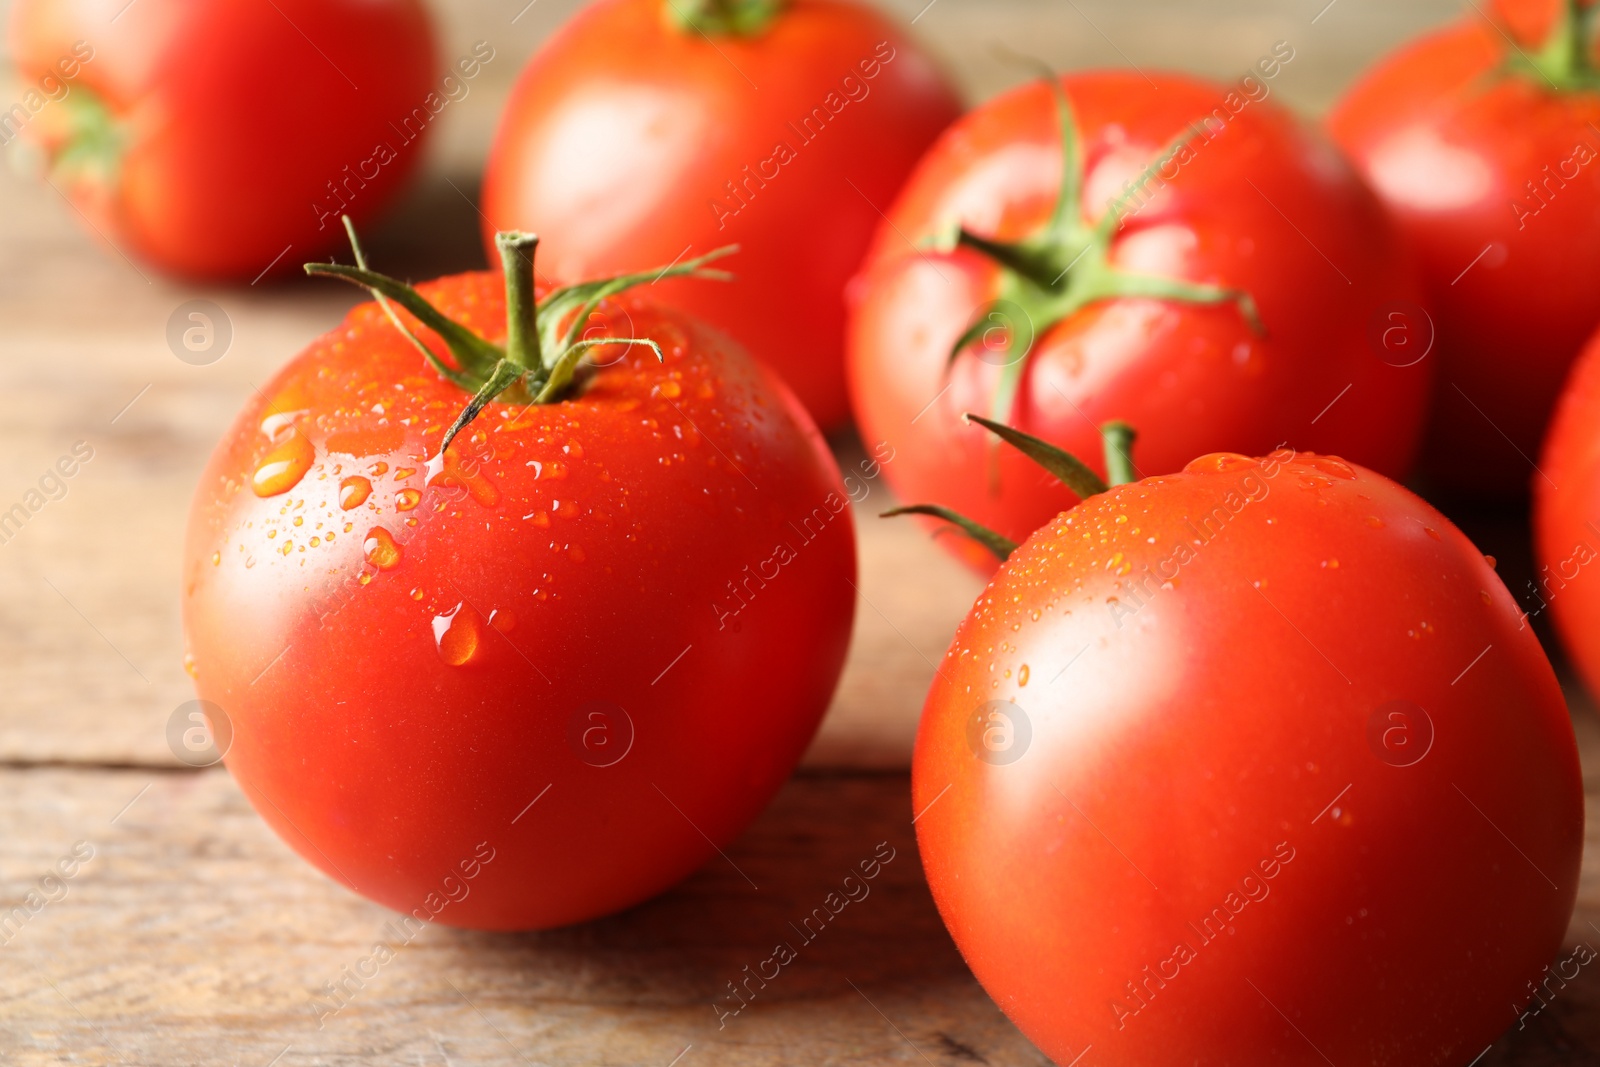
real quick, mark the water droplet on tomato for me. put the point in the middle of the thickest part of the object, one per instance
(670, 389)
(284, 466)
(190, 667)
(353, 492)
(477, 485)
(458, 634)
(407, 499)
(1334, 466)
(1220, 462)
(1375, 522)
(1022, 675)
(380, 549)
(503, 619)
(1491, 561)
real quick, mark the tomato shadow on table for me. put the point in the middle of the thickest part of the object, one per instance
(783, 883)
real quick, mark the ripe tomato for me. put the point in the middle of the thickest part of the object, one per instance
(213, 138)
(1490, 167)
(1137, 267)
(590, 642)
(632, 139)
(1567, 518)
(1251, 764)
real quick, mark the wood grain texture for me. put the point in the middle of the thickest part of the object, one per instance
(194, 937)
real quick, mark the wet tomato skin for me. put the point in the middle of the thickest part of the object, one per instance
(1309, 242)
(1566, 493)
(1495, 180)
(629, 140)
(410, 656)
(243, 130)
(1200, 658)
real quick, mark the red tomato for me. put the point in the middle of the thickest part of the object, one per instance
(1492, 174)
(1567, 519)
(213, 138)
(592, 641)
(1252, 205)
(632, 140)
(1531, 21)
(1251, 764)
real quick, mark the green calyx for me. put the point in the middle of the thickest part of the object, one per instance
(92, 149)
(1565, 60)
(1117, 439)
(544, 338)
(739, 18)
(1066, 266)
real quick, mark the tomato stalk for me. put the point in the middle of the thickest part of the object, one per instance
(742, 18)
(1117, 439)
(1564, 59)
(544, 338)
(1066, 265)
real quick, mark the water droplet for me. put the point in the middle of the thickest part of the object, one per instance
(1483, 595)
(1375, 522)
(380, 549)
(1491, 561)
(477, 485)
(670, 389)
(503, 619)
(407, 499)
(216, 559)
(1220, 462)
(284, 466)
(353, 492)
(1022, 675)
(1431, 532)
(1330, 564)
(1334, 466)
(190, 667)
(457, 635)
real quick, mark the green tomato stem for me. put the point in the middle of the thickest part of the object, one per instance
(740, 18)
(1119, 437)
(544, 338)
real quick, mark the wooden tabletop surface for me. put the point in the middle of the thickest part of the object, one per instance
(191, 935)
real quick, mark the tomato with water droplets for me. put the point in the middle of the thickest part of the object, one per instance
(1156, 250)
(447, 662)
(1240, 805)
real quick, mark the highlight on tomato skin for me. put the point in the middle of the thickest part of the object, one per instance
(1566, 520)
(1262, 740)
(1104, 246)
(544, 673)
(221, 141)
(631, 137)
(1484, 151)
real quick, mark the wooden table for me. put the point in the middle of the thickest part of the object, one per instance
(194, 937)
